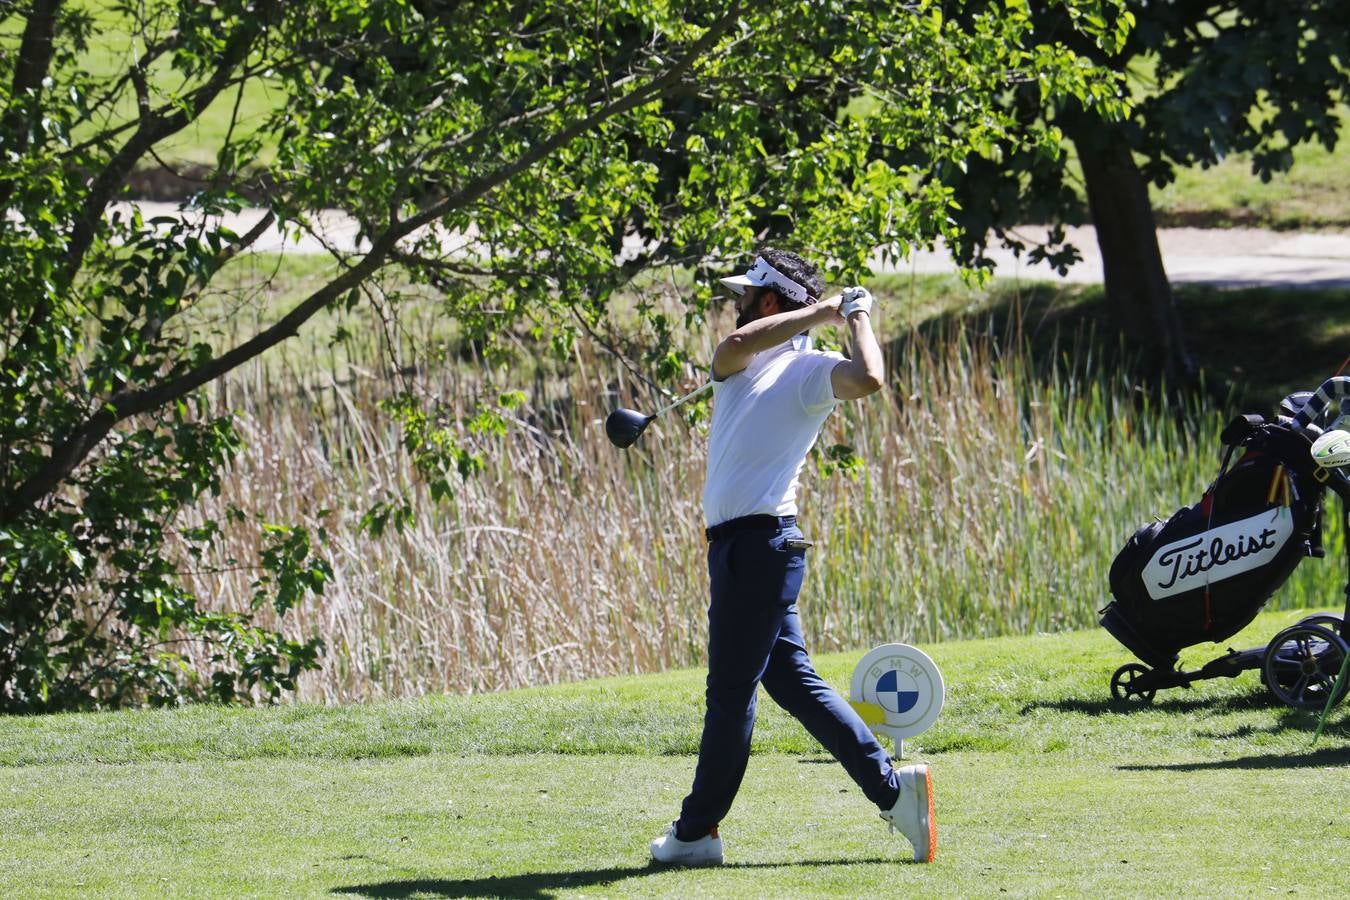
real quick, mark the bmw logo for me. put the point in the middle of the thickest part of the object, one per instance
(905, 683)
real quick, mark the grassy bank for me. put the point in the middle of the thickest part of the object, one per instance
(1044, 787)
(1252, 345)
(1313, 194)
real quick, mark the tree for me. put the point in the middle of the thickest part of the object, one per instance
(524, 159)
(1212, 77)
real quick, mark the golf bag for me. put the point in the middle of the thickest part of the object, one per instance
(1205, 573)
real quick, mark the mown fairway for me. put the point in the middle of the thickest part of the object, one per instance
(1044, 788)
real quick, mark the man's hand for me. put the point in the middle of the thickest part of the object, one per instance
(855, 300)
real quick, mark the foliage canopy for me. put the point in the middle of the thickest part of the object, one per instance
(1209, 78)
(520, 162)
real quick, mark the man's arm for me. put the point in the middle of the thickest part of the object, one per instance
(733, 354)
(864, 373)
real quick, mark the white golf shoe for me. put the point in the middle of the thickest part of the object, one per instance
(912, 814)
(670, 850)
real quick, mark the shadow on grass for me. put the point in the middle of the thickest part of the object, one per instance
(1256, 700)
(543, 884)
(1318, 759)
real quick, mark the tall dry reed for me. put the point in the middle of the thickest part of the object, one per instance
(992, 495)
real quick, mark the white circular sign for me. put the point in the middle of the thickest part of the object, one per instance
(905, 682)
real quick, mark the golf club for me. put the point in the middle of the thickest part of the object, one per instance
(624, 426)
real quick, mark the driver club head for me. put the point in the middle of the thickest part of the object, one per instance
(624, 426)
(1332, 449)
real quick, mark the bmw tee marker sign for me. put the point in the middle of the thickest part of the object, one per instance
(904, 685)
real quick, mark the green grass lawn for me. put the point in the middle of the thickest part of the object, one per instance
(1262, 342)
(1314, 193)
(1044, 787)
(112, 50)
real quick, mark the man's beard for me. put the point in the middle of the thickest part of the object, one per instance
(745, 317)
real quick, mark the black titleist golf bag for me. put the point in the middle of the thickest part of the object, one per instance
(1205, 573)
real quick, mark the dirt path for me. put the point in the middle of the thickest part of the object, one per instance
(1237, 257)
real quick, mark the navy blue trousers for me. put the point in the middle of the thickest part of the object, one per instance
(755, 637)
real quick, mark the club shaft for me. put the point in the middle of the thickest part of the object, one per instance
(689, 396)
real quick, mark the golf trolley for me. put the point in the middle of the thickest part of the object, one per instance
(1203, 575)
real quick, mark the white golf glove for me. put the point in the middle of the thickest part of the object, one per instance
(855, 299)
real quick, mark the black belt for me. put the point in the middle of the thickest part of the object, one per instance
(749, 523)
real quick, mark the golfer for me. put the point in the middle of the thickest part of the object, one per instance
(772, 393)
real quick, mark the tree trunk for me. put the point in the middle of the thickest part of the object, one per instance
(1138, 294)
(35, 59)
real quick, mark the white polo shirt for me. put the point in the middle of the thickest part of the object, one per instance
(765, 419)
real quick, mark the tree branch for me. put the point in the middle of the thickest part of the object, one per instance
(541, 150)
(150, 330)
(154, 127)
(126, 403)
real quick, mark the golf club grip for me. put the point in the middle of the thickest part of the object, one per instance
(688, 396)
(1337, 389)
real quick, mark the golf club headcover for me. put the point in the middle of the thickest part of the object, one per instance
(855, 299)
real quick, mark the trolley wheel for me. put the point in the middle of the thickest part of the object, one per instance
(1126, 684)
(1329, 621)
(1302, 663)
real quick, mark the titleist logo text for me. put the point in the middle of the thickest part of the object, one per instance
(1219, 553)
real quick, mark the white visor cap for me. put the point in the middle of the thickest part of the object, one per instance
(761, 274)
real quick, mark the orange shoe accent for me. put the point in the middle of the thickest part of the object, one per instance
(713, 832)
(932, 818)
